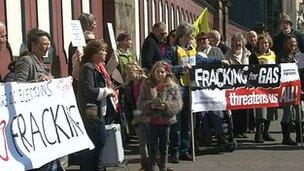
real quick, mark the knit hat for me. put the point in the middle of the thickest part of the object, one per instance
(286, 17)
(124, 36)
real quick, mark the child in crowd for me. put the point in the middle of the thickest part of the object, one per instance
(134, 77)
(160, 99)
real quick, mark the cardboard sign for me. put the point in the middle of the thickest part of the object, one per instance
(77, 34)
(112, 36)
(39, 122)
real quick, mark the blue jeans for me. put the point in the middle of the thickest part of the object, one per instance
(92, 159)
(158, 141)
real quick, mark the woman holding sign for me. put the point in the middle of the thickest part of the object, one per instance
(239, 55)
(264, 115)
(93, 96)
(289, 54)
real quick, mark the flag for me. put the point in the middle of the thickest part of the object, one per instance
(201, 23)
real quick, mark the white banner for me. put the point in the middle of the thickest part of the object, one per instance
(237, 87)
(39, 122)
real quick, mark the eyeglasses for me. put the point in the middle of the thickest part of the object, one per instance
(202, 38)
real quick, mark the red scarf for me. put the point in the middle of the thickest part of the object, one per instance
(102, 69)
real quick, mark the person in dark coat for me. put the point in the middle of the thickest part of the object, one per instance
(286, 28)
(150, 52)
(94, 93)
(289, 55)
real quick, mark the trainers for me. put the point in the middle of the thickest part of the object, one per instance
(258, 138)
(186, 157)
(268, 137)
(298, 139)
(221, 139)
(174, 159)
(238, 136)
(288, 141)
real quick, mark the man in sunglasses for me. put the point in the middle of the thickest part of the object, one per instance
(150, 52)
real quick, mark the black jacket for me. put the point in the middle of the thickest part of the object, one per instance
(150, 52)
(224, 48)
(90, 81)
(278, 43)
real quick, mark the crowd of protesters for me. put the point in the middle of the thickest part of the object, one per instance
(153, 98)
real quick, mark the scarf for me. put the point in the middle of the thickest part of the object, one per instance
(102, 69)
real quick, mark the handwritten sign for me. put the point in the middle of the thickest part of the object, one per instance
(39, 122)
(112, 36)
(77, 34)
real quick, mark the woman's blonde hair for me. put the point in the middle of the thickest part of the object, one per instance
(170, 78)
(267, 37)
(129, 68)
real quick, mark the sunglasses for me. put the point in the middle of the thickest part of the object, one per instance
(202, 38)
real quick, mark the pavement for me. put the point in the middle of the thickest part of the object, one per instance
(248, 156)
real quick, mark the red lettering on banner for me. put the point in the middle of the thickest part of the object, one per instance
(290, 93)
(3, 151)
(246, 98)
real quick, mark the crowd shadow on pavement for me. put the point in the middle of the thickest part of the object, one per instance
(268, 146)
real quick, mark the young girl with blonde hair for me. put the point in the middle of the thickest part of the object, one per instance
(160, 99)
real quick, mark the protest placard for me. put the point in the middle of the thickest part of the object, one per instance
(39, 122)
(77, 34)
(244, 86)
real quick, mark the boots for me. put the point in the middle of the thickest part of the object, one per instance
(286, 129)
(258, 135)
(163, 162)
(144, 164)
(221, 139)
(266, 135)
(298, 133)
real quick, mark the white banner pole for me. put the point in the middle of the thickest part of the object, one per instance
(191, 118)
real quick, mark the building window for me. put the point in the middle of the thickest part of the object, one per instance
(167, 15)
(153, 11)
(146, 8)
(172, 17)
(160, 11)
(177, 16)
(137, 28)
